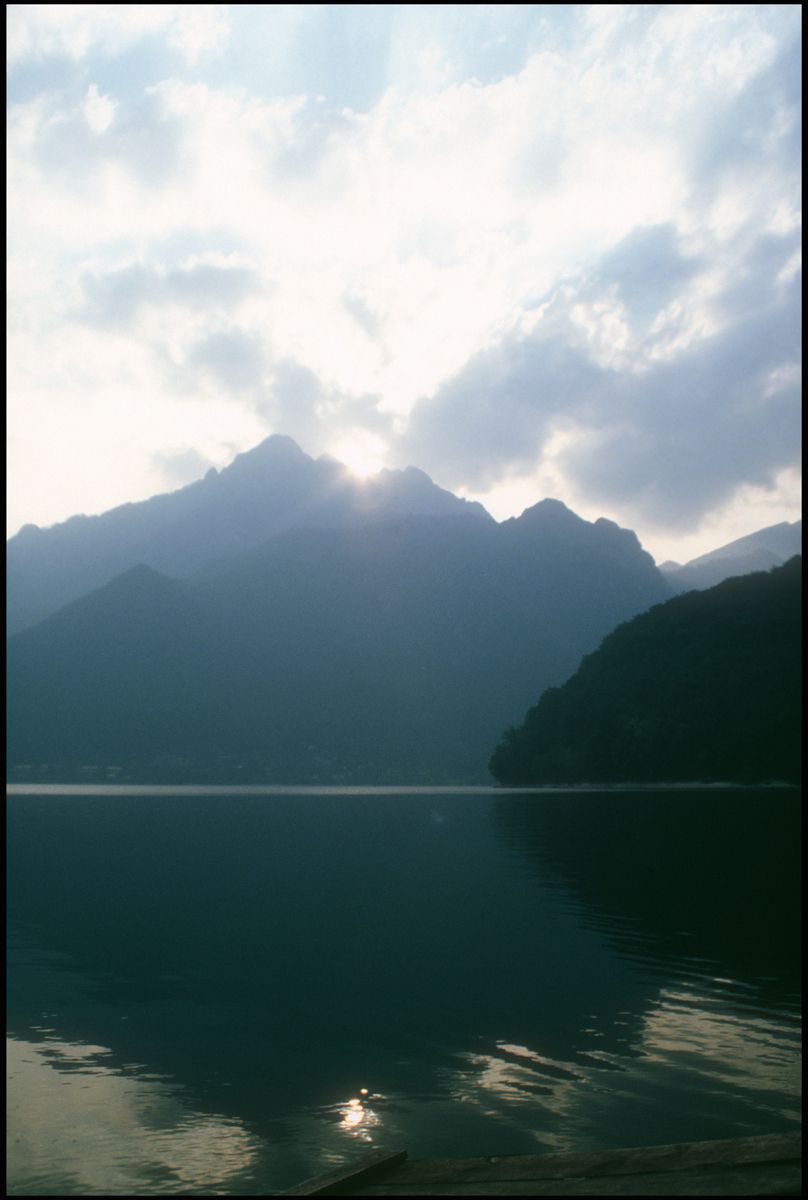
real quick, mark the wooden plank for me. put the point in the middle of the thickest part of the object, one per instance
(763, 1179)
(774, 1148)
(348, 1175)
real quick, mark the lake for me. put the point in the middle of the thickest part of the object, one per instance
(222, 992)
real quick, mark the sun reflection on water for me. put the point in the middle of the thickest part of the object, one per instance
(357, 1118)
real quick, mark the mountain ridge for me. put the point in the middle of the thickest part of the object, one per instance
(757, 551)
(267, 489)
(263, 491)
(391, 651)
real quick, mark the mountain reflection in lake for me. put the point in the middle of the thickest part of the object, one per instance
(224, 994)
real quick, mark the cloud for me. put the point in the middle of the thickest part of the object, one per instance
(180, 466)
(297, 402)
(74, 31)
(494, 416)
(230, 360)
(673, 421)
(197, 29)
(751, 126)
(519, 238)
(83, 141)
(113, 298)
(648, 267)
(684, 438)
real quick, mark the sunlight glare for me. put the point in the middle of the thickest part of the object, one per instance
(353, 1114)
(362, 453)
(357, 1118)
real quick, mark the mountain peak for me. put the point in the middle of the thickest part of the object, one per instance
(271, 488)
(141, 577)
(277, 448)
(550, 510)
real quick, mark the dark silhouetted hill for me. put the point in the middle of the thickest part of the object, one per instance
(265, 491)
(758, 551)
(394, 651)
(704, 687)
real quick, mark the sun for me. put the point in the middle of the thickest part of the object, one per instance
(362, 453)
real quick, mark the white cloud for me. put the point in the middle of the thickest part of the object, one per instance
(197, 29)
(99, 110)
(37, 31)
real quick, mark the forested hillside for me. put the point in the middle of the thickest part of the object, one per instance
(706, 686)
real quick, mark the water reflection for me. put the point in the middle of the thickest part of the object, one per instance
(357, 1117)
(110, 1132)
(734, 1064)
(457, 975)
(743, 1049)
(686, 883)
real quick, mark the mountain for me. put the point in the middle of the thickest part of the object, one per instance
(269, 489)
(393, 651)
(704, 687)
(759, 551)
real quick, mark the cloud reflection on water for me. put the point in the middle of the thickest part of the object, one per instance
(748, 1050)
(106, 1132)
(737, 1050)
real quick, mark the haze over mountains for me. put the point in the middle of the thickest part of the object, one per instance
(379, 631)
(759, 551)
(266, 490)
(282, 620)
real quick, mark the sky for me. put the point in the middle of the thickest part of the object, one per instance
(535, 250)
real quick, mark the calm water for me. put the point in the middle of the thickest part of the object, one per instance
(221, 994)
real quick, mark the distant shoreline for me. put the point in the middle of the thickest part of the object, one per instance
(218, 789)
